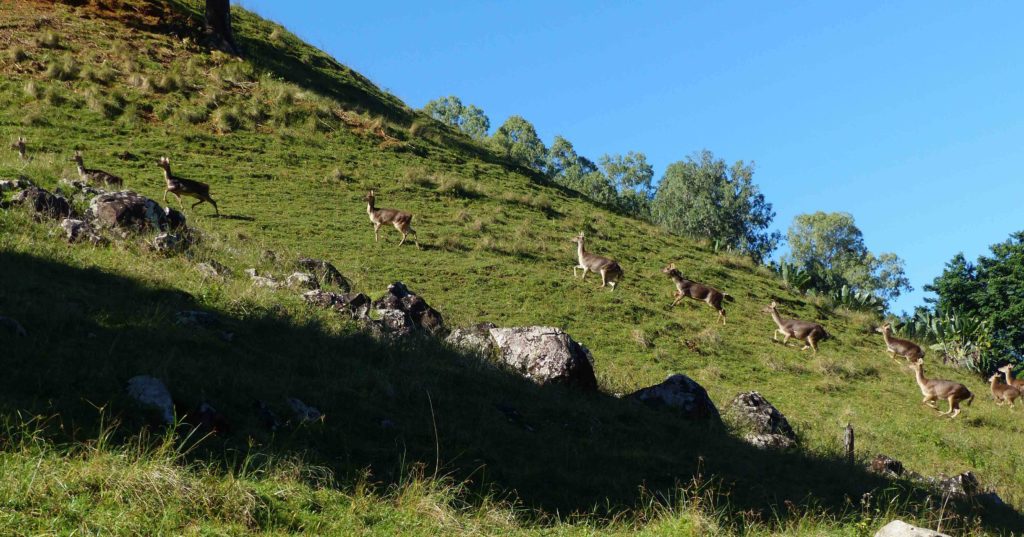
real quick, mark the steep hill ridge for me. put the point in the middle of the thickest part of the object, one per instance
(290, 141)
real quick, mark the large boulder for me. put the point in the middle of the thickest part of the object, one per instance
(324, 272)
(43, 202)
(899, 528)
(476, 338)
(420, 315)
(545, 355)
(152, 393)
(680, 394)
(764, 426)
(129, 211)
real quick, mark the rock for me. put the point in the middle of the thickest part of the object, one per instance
(81, 188)
(325, 273)
(899, 528)
(13, 326)
(266, 416)
(355, 304)
(167, 243)
(958, 486)
(43, 202)
(681, 394)
(886, 466)
(302, 280)
(262, 281)
(303, 412)
(196, 318)
(80, 230)
(128, 211)
(422, 316)
(207, 418)
(269, 255)
(14, 184)
(151, 392)
(764, 425)
(545, 355)
(396, 323)
(175, 219)
(213, 269)
(476, 338)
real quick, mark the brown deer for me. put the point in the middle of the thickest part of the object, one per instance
(691, 289)
(805, 330)
(899, 347)
(95, 176)
(935, 389)
(609, 269)
(179, 186)
(1015, 382)
(1002, 393)
(21, 148)
(400, 219)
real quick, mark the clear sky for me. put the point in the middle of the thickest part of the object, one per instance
(906, 114)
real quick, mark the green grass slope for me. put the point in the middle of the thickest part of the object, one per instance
(290, 140)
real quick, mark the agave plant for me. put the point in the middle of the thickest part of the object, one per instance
(857, 300)
(794, 277)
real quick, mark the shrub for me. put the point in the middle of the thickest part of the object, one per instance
(33, 90)
(48, 40)
(109, 108)
(226, 120)
(65, 68)
(102, 74)
(18, 54)
(193, 115)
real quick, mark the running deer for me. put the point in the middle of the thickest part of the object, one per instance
(899, 347)
(1015, 382)
(804, 330)
(935, 389)
(95, 176)
(691, 289)
(609, 269)
(20, 147)
(179, 186)
(400, 219)
(1002, 393)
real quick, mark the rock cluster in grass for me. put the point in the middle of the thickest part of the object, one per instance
(961, 486)
(681, 395)
(325, 273)
(403, 312)
(43, 203)
(762, 424)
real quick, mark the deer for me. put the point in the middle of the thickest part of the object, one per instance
(402, 220)
(899, 347)
(179, 186)
(609, 269)
(95, 176)
(805, 330)
(935, 389)
(691, 289)
(1008, 370)
(20, 147)
(1002, 393)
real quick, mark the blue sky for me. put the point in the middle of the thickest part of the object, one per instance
(906, 114)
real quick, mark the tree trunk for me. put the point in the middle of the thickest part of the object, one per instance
(218, 25)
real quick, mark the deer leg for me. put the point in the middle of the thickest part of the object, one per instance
(721, 315)
(403, 230)
(585, 269)
(180, 204)
(376, 233)
(165, 197)
(604, 277)
(954, 407)
(196, 203)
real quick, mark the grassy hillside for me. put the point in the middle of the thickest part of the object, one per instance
(290, 140)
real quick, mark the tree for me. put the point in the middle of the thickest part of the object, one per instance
(468, 119)
(703, 197)
(218, 25)
(518, 140)
(630, 175)
(991, 289)
(831, 248)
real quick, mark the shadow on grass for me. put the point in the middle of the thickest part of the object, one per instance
(388, 405)
(243, 218)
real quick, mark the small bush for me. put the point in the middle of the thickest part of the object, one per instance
(641, 339)
(338, 176)
(226, 120)
(33, 118)
(102, 74)
(453, 187)
(168, 83)
(108, 107)
(55, 96)
(64, 69)
(48, 40)
(193, 115)
(34, 90)
(18, 54)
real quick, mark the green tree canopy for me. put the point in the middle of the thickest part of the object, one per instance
(630, 175)
(468, 119)
(831, 248)
(992, 289)
(518, 140)
(703, 197)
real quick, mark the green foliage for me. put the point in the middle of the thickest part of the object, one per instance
(991, 289)
(517, 140)
(794, 277)
(703, 197)
(468, 119)
(831, 248)
(630, 175)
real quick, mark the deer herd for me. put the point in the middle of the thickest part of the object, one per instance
(1005, 388)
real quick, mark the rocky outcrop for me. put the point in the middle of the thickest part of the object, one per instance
(168, 243)
(301, 280)
(14, 184)
(355, 304)
(899, 528)
(545, 355)
(403, 312)
(176, 220)
(680, 394)
(127, 211)
(958, 486)
(213, 269)
(43, 202)
(763, 425)
(325, 273)
(476, 338)
(81, 189)
(151, 392)
(886, 466)
(80, 231)
(263, 281)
